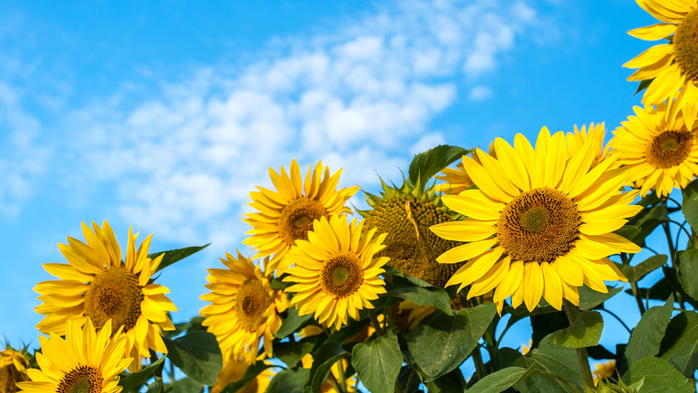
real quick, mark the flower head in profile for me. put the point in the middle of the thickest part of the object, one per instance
(97, 284)
(658, 149)
(13, 369)
(540, 224)
(595, 133)
(287, 214)
(88, 360)
(672, 66)
(336, 272)
(244, 309)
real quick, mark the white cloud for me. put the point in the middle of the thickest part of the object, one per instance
(360, 97)
(480, 93)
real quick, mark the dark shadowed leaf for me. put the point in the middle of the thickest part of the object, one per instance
(589, 298)
(689, 207)
(156, 386)
(328, 354)
(433, 296)
(292, 380)
(135, 380)
(452, 382)
(184, 385)
(680, 344)
(292, 352)
(688, 272)
(252, 372)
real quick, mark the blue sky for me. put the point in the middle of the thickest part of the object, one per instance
(163, 116)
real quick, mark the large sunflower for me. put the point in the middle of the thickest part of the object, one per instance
(97, 284)
(672, 66)
(244, 308)
(659, 150)
(87, 361)
(539, 224)
(336, 271)
(287, 214)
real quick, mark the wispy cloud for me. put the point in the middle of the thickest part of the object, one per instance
(360, 96)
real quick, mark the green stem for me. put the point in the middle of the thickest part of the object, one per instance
(409, 381)
(582, 356)
(374, 321)
(636, 293)
(479, 364)
(342, 377)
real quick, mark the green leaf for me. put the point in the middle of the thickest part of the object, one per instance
(452, 382)
(441, 342)
(197, 354)
(378, 363)
(251, 373)
(688, 271)
(659, 376)
(184, 385)
(643, 85)
(135, 380)
(589, 298)
(644, 223)
(689, 207)
(555, 359)
(585, 332)
(292, 322)
(429, 163)
(661, 290)
(680, 344)
(502, 380)
(647, 336)
(414, 280)
(173, 256)
(156, 386)
(435, 297)
(328, 354)
(292, 380)
(637, 272)
(292, 352)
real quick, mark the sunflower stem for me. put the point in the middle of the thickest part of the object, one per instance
(342, 377)
(582, 356)
(374, 321)
(479, 364)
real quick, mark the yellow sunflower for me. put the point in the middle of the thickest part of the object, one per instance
(672, 66)
(87, 361)
(595, 133)
(233, 370)
(244, 308)
(603, 371)
(286, 215)
(13, 369)
(539, 224)
(659, 150)
(97, 284)
(406, 315)
(335, 272)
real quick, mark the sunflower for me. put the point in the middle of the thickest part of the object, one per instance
(89, 360)
(286, 215)
(539, 224)
(406, 315)
(659, 150)
(595, 133)
(671, 66)
(244, 308)
(455, 180)
(336, 273)
(233, 370)
(13, 369)
(96, 284)
(603, 371)
(405, 215)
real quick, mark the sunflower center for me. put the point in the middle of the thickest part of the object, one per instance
(686, 45)
(669, 149)
(251, 302)
(539, 225)
(342, 275)
(297, 219)
(114, 294)
(83, 379)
